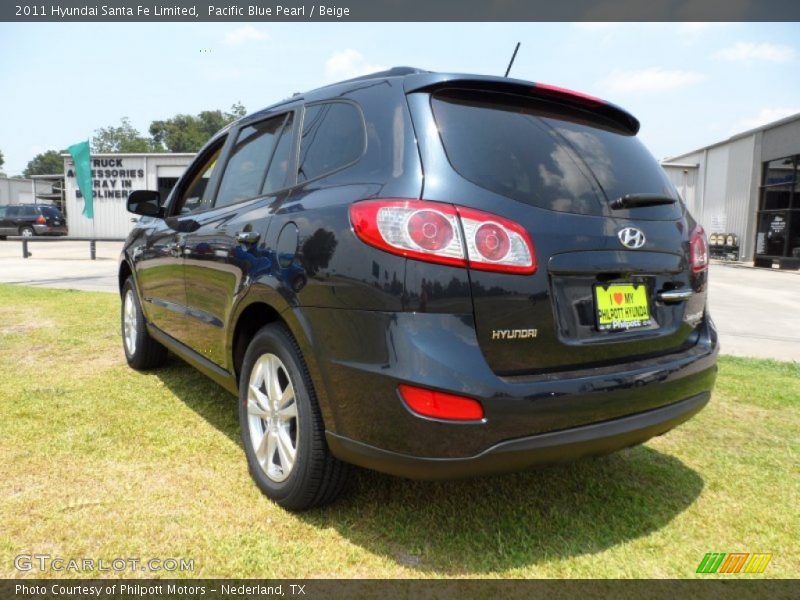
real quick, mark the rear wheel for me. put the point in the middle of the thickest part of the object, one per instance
(141, 350)
(281, 424)
(26, 231)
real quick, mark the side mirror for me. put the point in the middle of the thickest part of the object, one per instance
(145, 202)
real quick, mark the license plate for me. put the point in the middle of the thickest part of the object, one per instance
(622, 306)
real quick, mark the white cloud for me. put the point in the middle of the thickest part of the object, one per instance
(347, 64)
(748, 52)
(766, 115)
(654, 79)
(245, 34)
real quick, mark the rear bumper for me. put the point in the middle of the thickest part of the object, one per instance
(531, 451)
(363, 356)
(48, 230)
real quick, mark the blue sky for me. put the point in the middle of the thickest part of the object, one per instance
(689, 83)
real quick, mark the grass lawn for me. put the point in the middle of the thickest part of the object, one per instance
(101, 461)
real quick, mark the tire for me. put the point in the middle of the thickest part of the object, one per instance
(141, 351)
(27, 231)
(314, 477)
(2, 238)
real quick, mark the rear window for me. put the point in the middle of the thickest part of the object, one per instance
(49, 211)
(541, 154)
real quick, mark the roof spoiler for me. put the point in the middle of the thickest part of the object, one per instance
(430, 82)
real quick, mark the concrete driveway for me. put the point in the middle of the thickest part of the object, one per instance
(61, 265)
(757, 311)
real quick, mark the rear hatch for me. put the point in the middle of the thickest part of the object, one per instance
(556, 164)
(52, 216)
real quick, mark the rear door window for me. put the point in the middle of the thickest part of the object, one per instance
(246, 171)
(543, 155)
(333, 137)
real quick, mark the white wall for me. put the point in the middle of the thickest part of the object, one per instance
(115, 176)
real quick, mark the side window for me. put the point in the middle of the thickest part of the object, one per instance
(246, 169)
(333, 137)
(195, 196)
(2, 212)
(29, 211)
(278, 172)
(13, 211)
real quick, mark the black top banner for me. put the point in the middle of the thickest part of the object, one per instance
(401, 10)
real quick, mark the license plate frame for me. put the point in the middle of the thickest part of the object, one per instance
(627, 300)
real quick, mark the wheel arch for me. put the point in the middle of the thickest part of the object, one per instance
(261, 306)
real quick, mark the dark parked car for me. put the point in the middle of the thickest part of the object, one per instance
(430, 275)
(28, 220)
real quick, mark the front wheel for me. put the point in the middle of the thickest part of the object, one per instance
(281, 424)
(141, 350)
(27, 231)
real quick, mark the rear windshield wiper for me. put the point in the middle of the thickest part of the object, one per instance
(634, 200)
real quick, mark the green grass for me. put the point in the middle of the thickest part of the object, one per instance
(104, 462)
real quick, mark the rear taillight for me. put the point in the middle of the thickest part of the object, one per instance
(40, 220)
(445, 234)
(441, 405)
(698, 250)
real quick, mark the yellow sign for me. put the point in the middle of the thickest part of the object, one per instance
(622, 306)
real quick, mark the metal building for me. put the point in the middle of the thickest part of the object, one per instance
(114, 176)
(748, 187)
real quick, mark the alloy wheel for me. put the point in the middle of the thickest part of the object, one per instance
(272, 417)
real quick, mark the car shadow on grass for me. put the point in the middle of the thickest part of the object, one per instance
(489, 524)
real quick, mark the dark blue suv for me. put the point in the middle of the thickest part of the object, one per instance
(426, 274)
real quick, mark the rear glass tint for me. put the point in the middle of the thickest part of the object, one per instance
(333, 137)
(546, 156)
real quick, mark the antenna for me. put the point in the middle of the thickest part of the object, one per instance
(513, 56)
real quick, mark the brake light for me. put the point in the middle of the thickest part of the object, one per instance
(698, 250)
(40, 220)
(445, 234)
(441, 405)
(555, 90)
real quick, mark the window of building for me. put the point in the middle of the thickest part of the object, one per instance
(778, 224)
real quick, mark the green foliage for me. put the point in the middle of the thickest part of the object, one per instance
(188, 133)
(125, 138)
(46, 163)
(2, 159)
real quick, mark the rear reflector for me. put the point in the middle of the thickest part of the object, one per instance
(440, 405)
(698, 250)
(443, 233)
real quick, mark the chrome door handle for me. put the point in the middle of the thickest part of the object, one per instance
(247, 237)
(675, 295)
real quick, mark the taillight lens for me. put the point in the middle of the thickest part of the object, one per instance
(698, 249)
(432, 232)
(441, 405)
(40, 220)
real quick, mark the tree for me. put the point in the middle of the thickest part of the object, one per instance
(46, 163)
(124, 138)
(2, 159)
(188, 133)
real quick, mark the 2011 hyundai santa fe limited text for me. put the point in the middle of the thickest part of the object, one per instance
(430, 275)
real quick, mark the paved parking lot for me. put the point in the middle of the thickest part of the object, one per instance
(757, 311)
(61, 265)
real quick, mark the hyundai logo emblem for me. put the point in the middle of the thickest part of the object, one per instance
(631, 237)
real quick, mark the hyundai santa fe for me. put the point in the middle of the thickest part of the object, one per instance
(430, 275)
